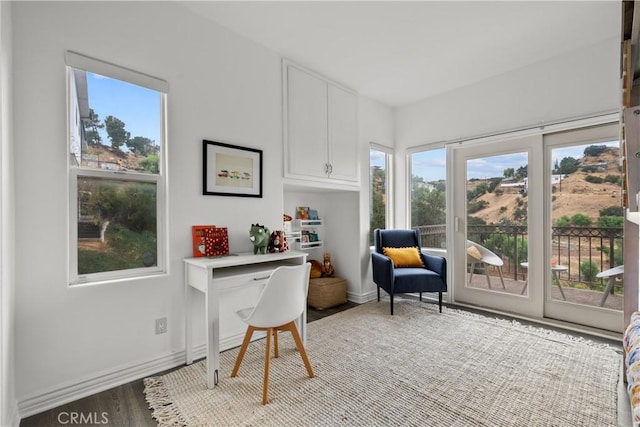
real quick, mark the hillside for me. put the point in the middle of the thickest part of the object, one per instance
(573, 195)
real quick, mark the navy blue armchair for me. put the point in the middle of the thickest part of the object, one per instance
(399, 280)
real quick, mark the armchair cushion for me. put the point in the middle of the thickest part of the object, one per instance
(404, 257)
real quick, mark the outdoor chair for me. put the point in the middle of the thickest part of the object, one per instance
(478, 254)
(399, 266)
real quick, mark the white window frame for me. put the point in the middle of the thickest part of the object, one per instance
(77, 61)
(389, 182)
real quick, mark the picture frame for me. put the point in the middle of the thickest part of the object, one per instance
(231, 170)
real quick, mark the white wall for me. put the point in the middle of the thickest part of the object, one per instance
(8, 404)
(375, 124)
(222, 87)
(582, 83)
(73, 341)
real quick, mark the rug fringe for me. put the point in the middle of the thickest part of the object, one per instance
(164, 410)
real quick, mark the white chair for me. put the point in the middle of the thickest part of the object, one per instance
(281, 302)
(486, 257)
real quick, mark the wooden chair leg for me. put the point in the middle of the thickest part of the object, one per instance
(243, 350)
(440, 301)
(275, 343)
(391, 301)
(291, 327)
(267, 359)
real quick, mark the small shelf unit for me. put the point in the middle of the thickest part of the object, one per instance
(307, 233)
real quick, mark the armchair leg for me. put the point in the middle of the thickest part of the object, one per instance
(391, 299)
(378, 293)
(420, 296)
(440, 301)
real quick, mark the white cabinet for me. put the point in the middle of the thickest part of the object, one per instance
(321, 128)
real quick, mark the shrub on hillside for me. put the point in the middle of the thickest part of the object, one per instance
(589, 270)
(594, 150)
(594, 179)
(580, 220)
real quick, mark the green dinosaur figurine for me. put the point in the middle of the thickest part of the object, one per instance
(259, 235)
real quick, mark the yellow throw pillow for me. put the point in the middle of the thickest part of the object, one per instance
(473, 252)
(404, 257)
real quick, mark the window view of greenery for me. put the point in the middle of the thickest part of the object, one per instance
(428, 197)
(117, 226)
(115, 138)
(587, 220)
(378, 180)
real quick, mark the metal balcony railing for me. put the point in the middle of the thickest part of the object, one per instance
(571, 246)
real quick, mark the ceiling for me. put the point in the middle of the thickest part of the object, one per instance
(401, 52)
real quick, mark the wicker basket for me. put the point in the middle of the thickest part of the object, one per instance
(325, 292)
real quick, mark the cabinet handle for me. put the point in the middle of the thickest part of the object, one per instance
(326, 168)
(330, 168)
(261, 278)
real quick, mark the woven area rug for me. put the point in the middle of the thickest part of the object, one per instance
(416, 368)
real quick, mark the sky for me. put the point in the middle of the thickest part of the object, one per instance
(138, 107)
(431, 165)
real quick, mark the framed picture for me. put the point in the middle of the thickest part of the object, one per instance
(231, 170)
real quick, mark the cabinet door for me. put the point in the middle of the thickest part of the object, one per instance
(343, 134)
(307, 124)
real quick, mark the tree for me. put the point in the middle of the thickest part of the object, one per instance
(521, 173)
(427, 206)
(151, 163)
(612, 211)
(378, 200)
(594, 150)
(91, 127)
(580, 220)
(568, 165)
(116, 131)
(509, 172)
(610, 221)
(141, 146)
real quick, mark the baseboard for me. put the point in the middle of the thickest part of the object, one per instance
(12, 418)
(53, 398)
(362, 298)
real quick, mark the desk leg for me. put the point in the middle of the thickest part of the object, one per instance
(213, 333)
(188, 320)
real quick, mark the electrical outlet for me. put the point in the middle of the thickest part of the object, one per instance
(161, 325)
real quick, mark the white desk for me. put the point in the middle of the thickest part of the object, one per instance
(237, 280)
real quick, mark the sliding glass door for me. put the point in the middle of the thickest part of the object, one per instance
(538, 226)
(494, 200)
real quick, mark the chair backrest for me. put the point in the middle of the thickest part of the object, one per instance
(395, 239)
(283, 298)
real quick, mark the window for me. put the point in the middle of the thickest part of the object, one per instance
(379, 179)
(116, 173)
(428, 198)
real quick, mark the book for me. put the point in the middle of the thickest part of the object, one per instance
(198, 239)
(216, 241)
